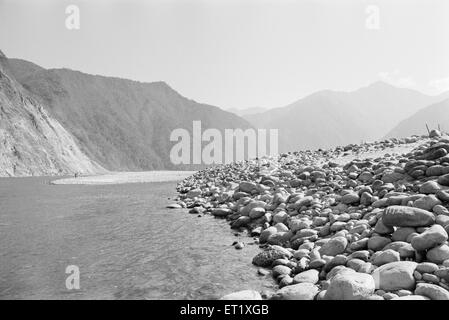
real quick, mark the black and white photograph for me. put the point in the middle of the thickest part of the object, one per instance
(224, 150)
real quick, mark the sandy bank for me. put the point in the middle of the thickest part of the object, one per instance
(127, 177)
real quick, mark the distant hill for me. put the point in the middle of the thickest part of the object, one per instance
(247, 111)
(32, 142)
(119, 123)
(329, 118)
(433, 115)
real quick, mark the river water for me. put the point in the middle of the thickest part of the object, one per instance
(123, 240)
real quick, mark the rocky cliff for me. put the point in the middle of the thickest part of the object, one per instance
(31, 141)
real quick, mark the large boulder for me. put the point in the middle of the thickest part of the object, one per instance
(300, 291)
(350, 286)
(402, 216)
(395, 276)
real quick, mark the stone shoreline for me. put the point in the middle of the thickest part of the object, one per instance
(374, 228)
(126, 177)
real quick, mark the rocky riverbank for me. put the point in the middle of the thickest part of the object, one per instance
(372, 228)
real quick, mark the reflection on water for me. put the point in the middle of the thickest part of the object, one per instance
(124, 241)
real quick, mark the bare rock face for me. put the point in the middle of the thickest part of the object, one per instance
(32, 142)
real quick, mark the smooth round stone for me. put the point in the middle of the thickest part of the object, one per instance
(374, 297)
(442, 220)
(317, 263)
(411, 297)
(285, 280)
(280, 217)
(438, 254)
(300, 291)
(361, 254)
(390, 296)
(310, 276)
(301, 253)
(442, 273)
(367, 268)
(404, 293)
(427, 277)
(280, 270)
(350, 286)
(241, 222)
(432, 291)
(381, 228)
(430, 238)
(401, 234)
(440, 210)
(444, 180)
(334, 246)
(426, 267)
(427, 202)
(257, 212)
(402, 216)
(377, 243)
(338, 260)
(395, 276)
(407, 252)
(355, 264)
(265, 234)
(243, 295)
(429, 187)
(385, 257)
(350, 198)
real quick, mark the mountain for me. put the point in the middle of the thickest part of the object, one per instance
(247, 111)
(328, 118)
(123, 125)
(433, 115)
(31, 141)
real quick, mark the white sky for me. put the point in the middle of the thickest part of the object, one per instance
(238, 54)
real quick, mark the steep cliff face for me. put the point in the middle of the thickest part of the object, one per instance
(31, 141)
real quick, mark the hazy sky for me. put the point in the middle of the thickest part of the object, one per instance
(239, 54)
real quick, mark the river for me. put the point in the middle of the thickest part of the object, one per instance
(123, 240)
